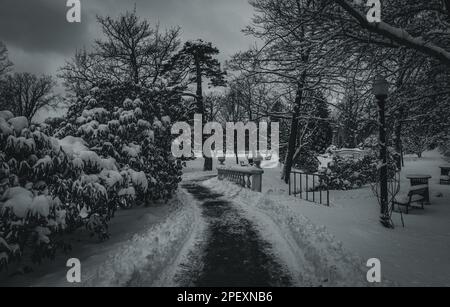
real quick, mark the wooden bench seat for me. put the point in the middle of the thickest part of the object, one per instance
(416, 195)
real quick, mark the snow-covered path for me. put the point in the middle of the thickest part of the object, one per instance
(233, 252)
(312, 255)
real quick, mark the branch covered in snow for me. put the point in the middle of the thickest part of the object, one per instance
(398, 35)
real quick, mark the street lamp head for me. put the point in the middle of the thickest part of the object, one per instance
(380, 87)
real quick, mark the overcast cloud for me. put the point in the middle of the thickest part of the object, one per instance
(39, 39)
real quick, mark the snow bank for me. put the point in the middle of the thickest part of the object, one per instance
(314, 256)
(146, 258)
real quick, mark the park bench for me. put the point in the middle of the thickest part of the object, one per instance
(417, 195)
(445, 174)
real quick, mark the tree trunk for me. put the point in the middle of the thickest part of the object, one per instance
(134, 69)
(398, 143)
(400, 115)
(236, 147)
(398, 139)
(199, 93)
(208, 164)
(384, 192)
(294, 130)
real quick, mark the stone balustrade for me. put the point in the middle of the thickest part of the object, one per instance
(247, 177)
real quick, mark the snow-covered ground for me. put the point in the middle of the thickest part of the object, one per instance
(319, 245)
(145, 244)
(418, 254)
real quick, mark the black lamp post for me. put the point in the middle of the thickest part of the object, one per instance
(381, 91)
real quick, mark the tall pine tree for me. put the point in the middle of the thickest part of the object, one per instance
(195, 64)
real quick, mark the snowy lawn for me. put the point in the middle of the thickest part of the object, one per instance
(144, 244)
(418, 254)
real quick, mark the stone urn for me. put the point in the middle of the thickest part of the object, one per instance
(257, 160)
(221, 160)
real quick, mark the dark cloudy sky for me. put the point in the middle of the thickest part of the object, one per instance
(39, 39)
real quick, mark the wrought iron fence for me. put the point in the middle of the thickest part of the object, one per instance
(309, 187)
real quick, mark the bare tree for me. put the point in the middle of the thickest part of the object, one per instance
(85, 71)
(132, 51)
(289, 56)
(328, 46)
(25, 94)
(254, 95)
(419, 139)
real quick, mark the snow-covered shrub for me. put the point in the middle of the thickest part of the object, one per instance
(136, 143)
(349, 173)
(49, 186)
(103, 156)
(345, 173)
(307, 161)
(32, 166)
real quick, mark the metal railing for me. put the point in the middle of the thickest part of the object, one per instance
(247, 177)
(309, 187)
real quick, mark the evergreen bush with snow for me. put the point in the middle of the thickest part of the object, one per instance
(307, 161)
(141, 167)
(349, 173)
(100, 160)
(33, 172)
(345, 173)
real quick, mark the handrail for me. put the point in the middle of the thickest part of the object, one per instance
(247, 177)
